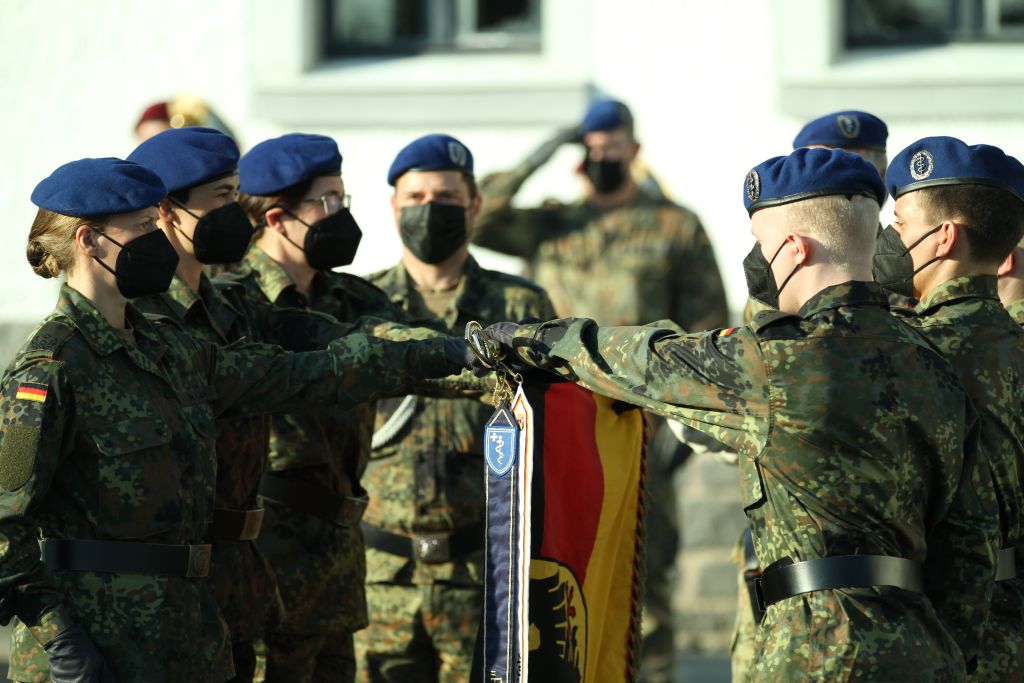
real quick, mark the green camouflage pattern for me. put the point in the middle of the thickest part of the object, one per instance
(430, 478)
(419, 633)
(1016, 311)
(965, 321)
(320, 566)
(647, 260)
(322, 657)
(242, 579)
(854, 437)
(123, 448)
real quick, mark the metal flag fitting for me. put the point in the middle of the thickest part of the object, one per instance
(491, 355)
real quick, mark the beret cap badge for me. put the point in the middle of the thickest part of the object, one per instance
(753, 184)
(922, 165)
(457, 153)
(848, 125)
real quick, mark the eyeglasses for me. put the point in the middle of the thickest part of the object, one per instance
(332, 202)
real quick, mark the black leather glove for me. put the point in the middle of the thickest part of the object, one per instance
(503, 333)
(457, 354)
(74, 658)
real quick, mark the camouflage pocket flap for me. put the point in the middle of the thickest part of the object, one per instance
(128, 436)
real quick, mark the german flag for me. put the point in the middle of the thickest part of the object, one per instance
(32, 392)
(575, 529)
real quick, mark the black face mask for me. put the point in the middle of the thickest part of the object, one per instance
(221, 235)
(606, 175)
(331, 241)
(893, 265)
(432, 231)
(760, 279)
(144, 266)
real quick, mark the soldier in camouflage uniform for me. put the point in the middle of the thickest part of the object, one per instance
(313, 495)
(865, 135)
(199, 167)
(959, 214)
(425, 525)
(107, 442)
(621, 255)
(857, 444)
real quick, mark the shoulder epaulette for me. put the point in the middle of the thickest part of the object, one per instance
(47, 340)
(766, 319)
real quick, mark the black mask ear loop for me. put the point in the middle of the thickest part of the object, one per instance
(917, 242)
(100, 232)
(175, 225)
(285, 235)
(791, 273)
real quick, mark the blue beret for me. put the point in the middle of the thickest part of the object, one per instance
(807, 173)
(944, 160)
(277, 164)
(436, 152)
(186, 157)
(605, 115)
(844, 129)
(99, 187)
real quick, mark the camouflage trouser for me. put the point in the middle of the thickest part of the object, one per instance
(662, 527)
(745, 630)
(1001, 655)
(309, 657)
(419, 633)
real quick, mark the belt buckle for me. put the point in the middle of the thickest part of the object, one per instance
(198, 561)
(351, 511)
(252, 525)
(757, 601)
(432, 548)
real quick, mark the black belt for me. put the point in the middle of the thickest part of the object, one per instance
(314, 500)
(427, 548)
(784, 579)
(127, 557)
(235, 525)
(752, 575)
(1006, 564)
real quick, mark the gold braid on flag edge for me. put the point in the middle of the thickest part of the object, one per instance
(636, 607)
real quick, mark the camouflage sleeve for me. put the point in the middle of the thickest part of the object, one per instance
(698, 292)
(296, 329)
(38, 414)
(261, 378)
(505, 228)
(714, 382)
(502, 227)
(961, 563)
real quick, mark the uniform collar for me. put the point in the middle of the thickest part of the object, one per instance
(852, 293)
(99, 333)
(1016, 310)
(274, 279)
(207, 302)
(468, 295)
(963, 287)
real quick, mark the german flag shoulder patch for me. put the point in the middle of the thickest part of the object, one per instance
(727, 331)
(30, 391)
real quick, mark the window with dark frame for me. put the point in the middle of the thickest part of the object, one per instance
(410, 27)
(899, 23)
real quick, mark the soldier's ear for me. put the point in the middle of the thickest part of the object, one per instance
(1006, 267)
(167, 212)
(275, 219)
(948, 236)
(802, 247)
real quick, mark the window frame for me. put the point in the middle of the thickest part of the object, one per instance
(449, 31)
